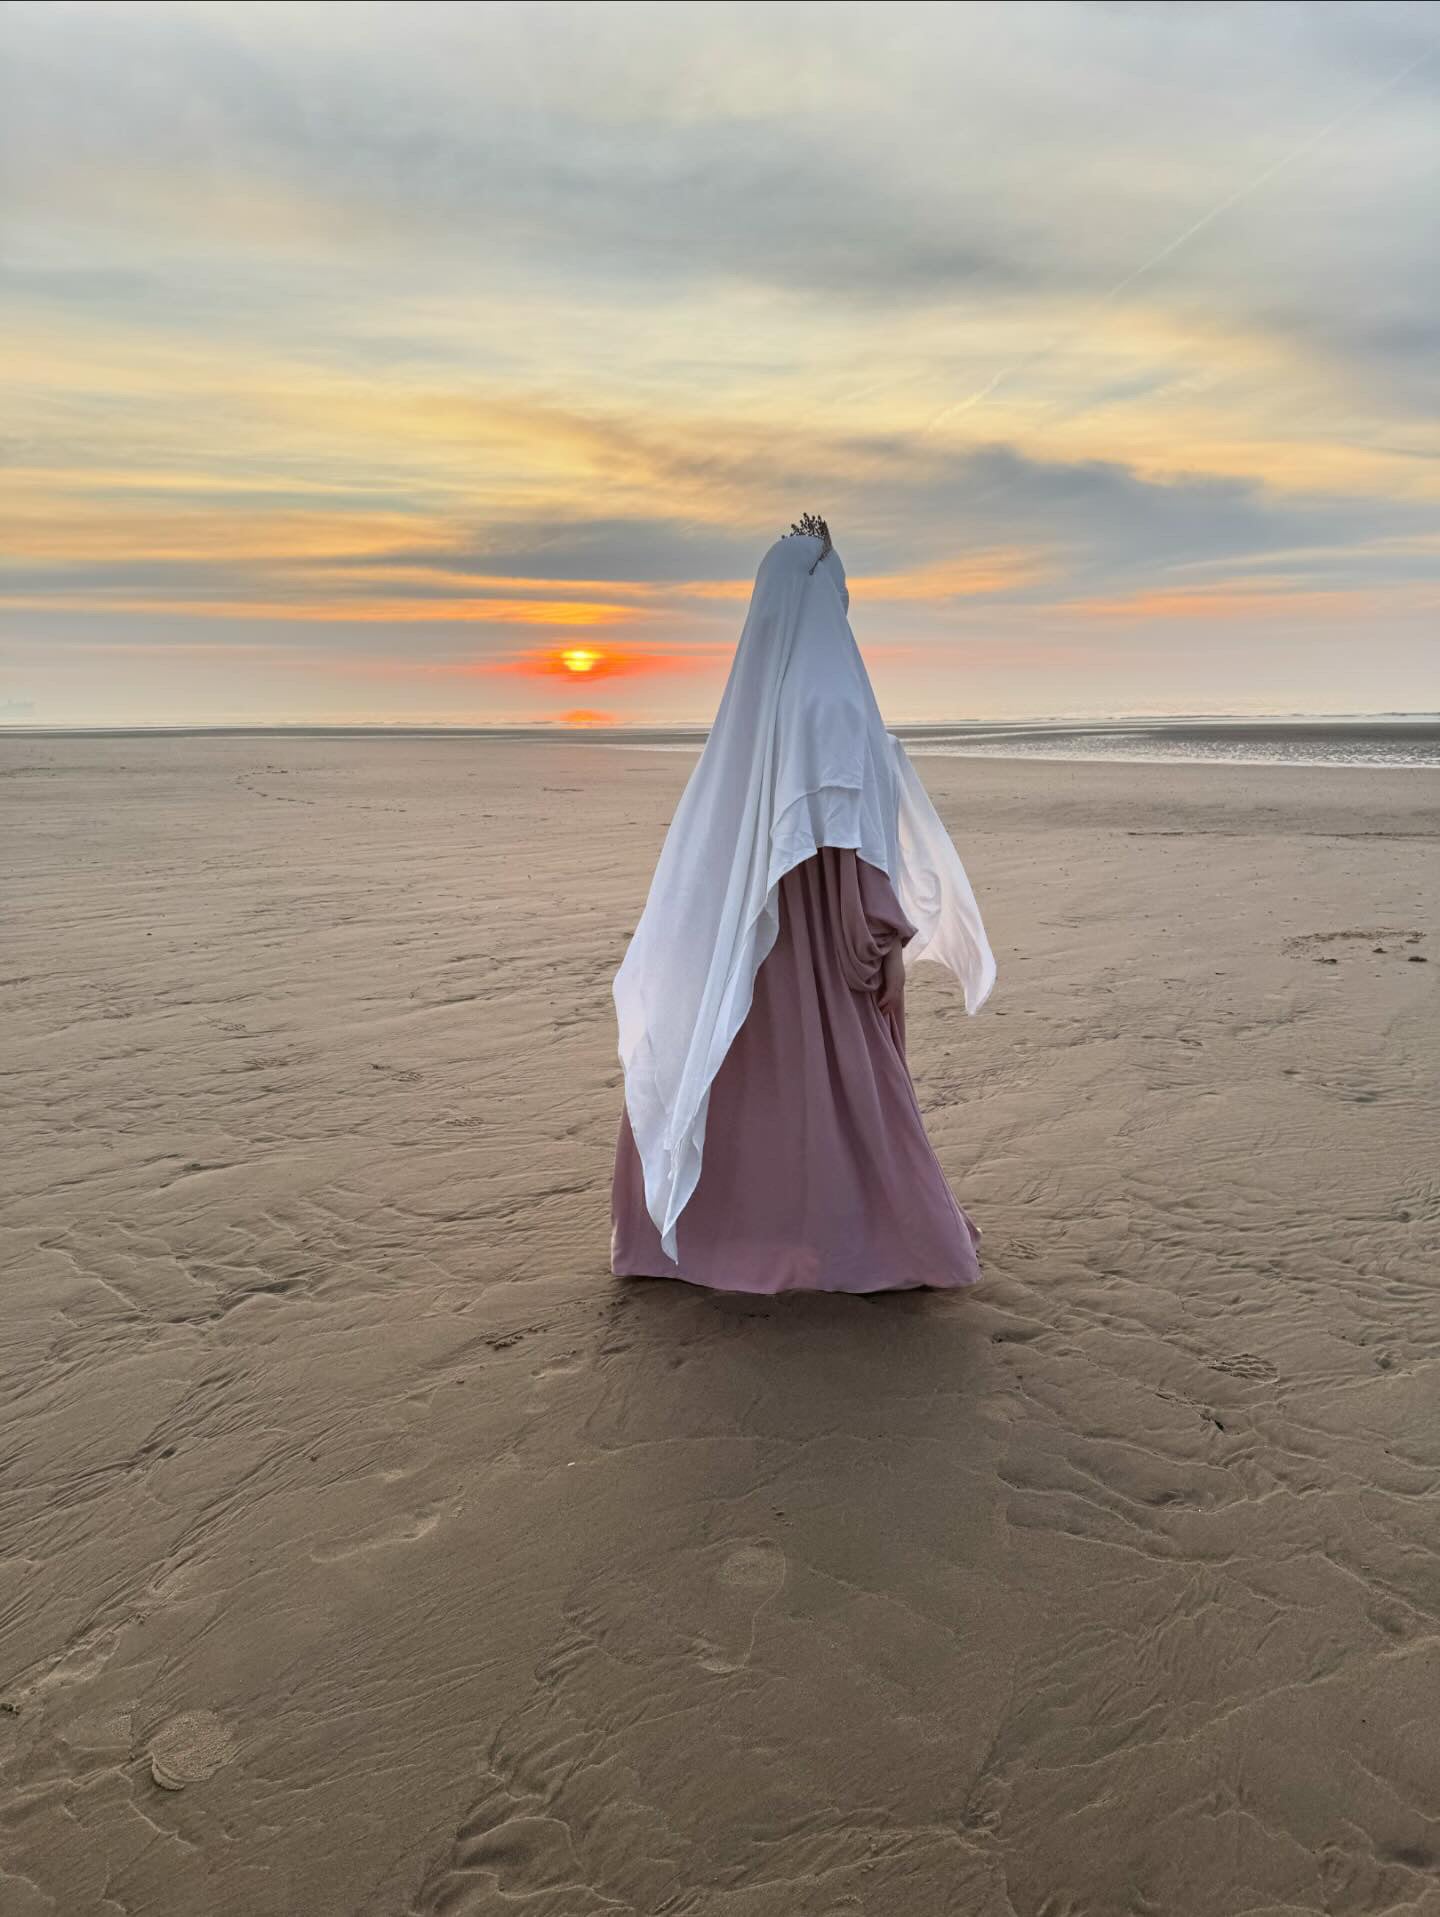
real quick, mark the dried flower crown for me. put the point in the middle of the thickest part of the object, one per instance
(811, 526)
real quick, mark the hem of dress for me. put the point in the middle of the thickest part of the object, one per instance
(834, 1291)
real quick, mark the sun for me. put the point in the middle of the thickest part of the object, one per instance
(579, 659)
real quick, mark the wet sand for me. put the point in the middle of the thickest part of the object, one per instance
(366, 1549)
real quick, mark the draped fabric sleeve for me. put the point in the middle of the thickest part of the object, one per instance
(866, 919)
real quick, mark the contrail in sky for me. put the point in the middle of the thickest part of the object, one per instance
(1173, 246)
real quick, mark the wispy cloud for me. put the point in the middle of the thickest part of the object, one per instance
(408, 344)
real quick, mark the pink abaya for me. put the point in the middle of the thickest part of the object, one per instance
(817, 1173)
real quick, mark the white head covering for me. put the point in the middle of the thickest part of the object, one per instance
(798, 758)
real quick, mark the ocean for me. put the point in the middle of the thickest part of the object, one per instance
(1406, 742)
(1400, 741)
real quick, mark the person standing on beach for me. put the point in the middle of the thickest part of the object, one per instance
(770, 1138)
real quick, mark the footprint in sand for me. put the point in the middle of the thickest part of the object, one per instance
(405, 1530)
(565, 1366)
(1245, 1364)
(749, 1576)
(189, 1748)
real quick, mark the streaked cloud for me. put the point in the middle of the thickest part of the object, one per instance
(368, 347)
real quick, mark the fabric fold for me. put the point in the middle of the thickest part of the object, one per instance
(798, 759)
(817, 1173)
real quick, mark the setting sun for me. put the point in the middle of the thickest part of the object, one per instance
(579, 659)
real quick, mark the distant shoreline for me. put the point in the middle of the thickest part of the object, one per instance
(1390, 725)
(1379, 741)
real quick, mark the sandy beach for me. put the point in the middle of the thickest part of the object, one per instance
(367, 1549)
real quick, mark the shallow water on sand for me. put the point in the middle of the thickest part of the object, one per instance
(1410, 744)
(1406, 745)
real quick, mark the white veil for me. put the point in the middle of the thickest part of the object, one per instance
(798, 758)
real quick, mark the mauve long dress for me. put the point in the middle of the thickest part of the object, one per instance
(817, 1174)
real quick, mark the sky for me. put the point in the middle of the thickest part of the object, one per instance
(359, 363)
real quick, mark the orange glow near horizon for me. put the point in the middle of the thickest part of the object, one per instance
(370, 612)
(591, 662)
(1147, 420)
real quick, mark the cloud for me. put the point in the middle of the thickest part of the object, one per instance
(990, 523)
(1269, 599)
(480, 322)
(910, 154)
(565, 548)
(1101, 517)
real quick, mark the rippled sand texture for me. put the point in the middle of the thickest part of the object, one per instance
(368, 1550)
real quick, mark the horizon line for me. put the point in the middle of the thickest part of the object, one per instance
(697, 728)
